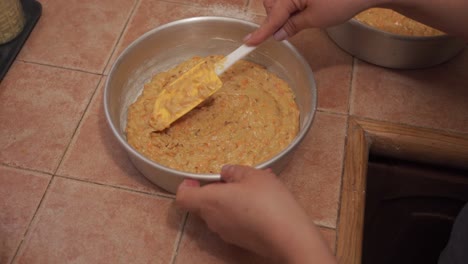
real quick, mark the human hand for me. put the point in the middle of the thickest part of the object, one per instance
(287, 17)
(254, 210)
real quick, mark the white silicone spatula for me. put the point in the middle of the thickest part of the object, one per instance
(232, 58)
(191, 89)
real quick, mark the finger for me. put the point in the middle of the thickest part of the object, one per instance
(278, 15)
(236, 173)
(292, 26)
(188, 195)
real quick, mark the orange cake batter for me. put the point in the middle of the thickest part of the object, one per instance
(393, 22)
(249, 120)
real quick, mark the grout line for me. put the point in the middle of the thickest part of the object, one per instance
(330, 112)
(340, 193)
(346, 142)
(122, 32)
(179, 239)
(60, 67)
(78, 125)
(166, 195)
(344, 156)
(160, 195)
(321, 225)
(326, 227)
(352, 83)
(33, 218)
(24, 169)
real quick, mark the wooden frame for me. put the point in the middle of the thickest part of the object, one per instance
(405, 142)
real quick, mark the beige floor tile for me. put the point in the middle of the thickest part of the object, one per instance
(77, 34)
(20, 195)
(40, 107)
(87, 223)
(145, 19)
(331, 67)
(314, 174)
(96, 155)
(435, 98)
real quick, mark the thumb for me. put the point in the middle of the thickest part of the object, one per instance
(187, 196)
(236, 173)
(276, 18)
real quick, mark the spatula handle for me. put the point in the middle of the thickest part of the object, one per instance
(232, 58)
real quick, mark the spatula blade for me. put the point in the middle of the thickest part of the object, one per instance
(184, 94)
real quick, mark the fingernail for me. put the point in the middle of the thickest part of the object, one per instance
(280, 35)
(189, 183)
(247, 37)
(225, 168)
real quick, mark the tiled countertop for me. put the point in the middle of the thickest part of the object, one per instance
(68, 193)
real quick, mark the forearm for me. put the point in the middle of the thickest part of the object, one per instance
(450, 16)
(305, 245)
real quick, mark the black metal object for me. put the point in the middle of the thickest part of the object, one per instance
(8, 51)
